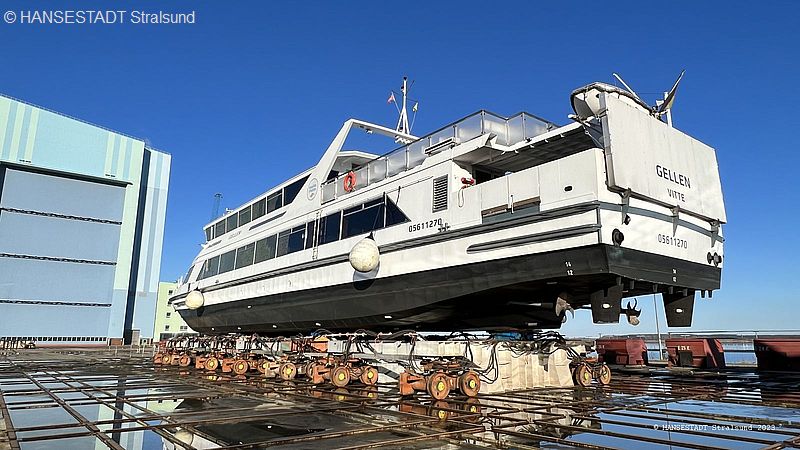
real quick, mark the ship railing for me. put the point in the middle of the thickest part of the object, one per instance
(508, 131)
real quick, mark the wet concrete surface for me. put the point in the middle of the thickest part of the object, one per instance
(62, 399)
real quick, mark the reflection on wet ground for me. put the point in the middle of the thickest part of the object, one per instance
(96, 399)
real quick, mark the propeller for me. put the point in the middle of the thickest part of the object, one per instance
(563, 305)
(632, 313)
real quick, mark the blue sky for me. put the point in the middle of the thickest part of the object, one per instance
(254, 91)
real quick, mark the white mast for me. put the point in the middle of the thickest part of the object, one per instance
(402, 121)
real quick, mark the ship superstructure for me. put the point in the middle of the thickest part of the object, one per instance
(489, 223)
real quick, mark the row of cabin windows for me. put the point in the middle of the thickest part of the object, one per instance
(260, 208)
(372, 215)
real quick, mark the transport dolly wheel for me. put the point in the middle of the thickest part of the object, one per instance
(583, 375)
(211, 364)
(310, 370)
(166, 359)
(438, 386)
(262, 366)
(185, 361)
(287, 371)
(469, 383)
(340, 376)
(369, 375)
(240, 367)
(603, 374)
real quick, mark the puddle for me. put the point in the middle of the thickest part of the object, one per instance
(80, 443)
(39, 416)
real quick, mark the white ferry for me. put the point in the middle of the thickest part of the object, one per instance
(490, 223)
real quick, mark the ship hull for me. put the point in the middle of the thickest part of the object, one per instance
(502, 294)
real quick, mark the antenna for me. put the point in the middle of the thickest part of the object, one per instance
(669, 98)
(626, 85)
(215, 207)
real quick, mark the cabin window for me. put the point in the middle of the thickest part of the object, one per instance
(186, 277)
(219, 228)
(362, 219)
(274, 201)
(210, 268)
(209, 233)
(232, 223)
(291, 191)
(310, 234)
(244, 255)
(329, 228)
(265, 248)
(394, 215)
(245, 216)
(259, 208)
(226, 262)
(291, 241)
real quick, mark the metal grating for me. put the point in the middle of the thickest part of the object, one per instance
(76, 399)
(440, 193)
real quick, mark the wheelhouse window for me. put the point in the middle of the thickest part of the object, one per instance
(232, 222)
(219, 228)
(209, 233)
(245, 216)
(274, 201)
(259, 208)
(265, 248)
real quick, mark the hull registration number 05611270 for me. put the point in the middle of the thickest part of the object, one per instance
(433, 223)
(673, 241)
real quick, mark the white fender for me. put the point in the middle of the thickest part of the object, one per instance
(194, 300)
(365, 257)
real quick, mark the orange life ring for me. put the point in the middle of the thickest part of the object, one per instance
(350, 181)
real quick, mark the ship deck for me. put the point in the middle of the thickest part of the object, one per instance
(116, 398)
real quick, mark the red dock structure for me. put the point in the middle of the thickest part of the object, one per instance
(701, 353)
(777, 353)
(630, 352)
